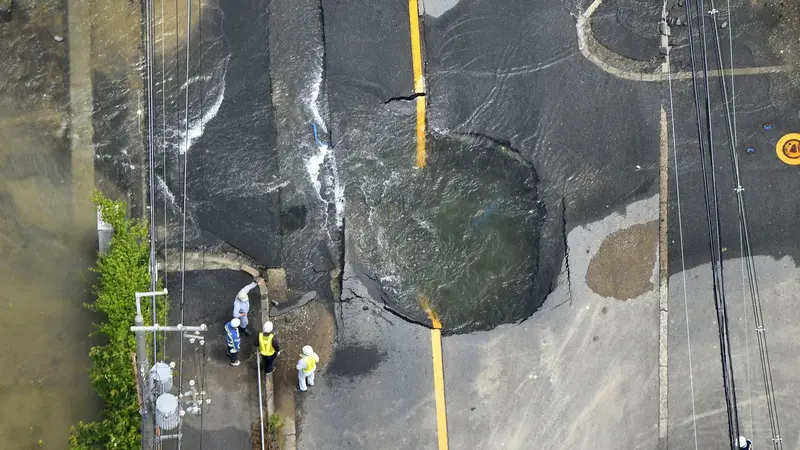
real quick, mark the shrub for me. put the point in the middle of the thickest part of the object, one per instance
(122, 271)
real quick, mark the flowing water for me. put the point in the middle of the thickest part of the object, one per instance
(259, 146)
(48, 238)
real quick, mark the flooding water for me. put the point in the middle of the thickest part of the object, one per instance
(47, 236)
(466, 240)
(43, 328)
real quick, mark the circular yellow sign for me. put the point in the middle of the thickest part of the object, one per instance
(788, 149)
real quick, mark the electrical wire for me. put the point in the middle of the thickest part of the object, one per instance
(747, 254)
(722, 310)
(713, 223)
(733, 85)
(683, 257)
(202, 376)
(185, 170)
(151, 158)
(164, 161)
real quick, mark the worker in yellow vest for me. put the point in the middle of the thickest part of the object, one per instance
(306, 367)
(268, 347)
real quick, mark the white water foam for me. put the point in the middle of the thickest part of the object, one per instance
(170, 196)
(197, 127)
(314, 164)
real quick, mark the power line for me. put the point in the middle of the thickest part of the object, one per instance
(683, 257)
(744, 236)
(151, 154)
(713, 222)
(185, 172)
(202, 371)
(164, 156)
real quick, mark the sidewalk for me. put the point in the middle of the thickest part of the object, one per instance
(226, 422)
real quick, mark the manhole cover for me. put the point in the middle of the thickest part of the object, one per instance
(788, 149)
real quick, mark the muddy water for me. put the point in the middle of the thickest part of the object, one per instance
(43, 329)
(47, 241)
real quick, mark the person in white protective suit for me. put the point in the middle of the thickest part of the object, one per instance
(306, 366)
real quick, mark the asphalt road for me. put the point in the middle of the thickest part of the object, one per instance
(583, 370)
(594, 140)
(514, 73)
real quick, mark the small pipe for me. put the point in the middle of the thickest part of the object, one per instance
(139, 295)
(158, 327)
(169, 436)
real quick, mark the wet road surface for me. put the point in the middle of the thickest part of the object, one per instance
(533, 230)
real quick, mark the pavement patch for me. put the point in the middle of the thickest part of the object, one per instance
(623, 265)
(356, 360)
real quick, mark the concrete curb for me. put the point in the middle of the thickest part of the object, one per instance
(269, 394)
(276, 282)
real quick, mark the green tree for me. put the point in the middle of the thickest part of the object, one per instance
(122, 271)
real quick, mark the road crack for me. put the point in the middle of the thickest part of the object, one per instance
(404, 98)
(566, 246)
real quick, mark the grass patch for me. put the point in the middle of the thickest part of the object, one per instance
(273, 426)
(122, 271)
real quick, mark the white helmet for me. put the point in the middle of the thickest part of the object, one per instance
(242, 296)
(742, 442)
(308, 351)
(235, 323)
(267, 327)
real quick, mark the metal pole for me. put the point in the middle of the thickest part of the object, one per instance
(260, 402)
(141, 360)
(143, 366)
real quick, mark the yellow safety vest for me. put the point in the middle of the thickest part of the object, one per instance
(265, 344)
(311, 363)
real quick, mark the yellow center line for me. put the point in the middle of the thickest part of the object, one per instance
(438, 372)
(421, 153)
(438, 387)
(419, 80)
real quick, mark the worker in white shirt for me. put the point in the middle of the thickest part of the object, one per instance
(745, 443)
(241, 305)
(306, 367)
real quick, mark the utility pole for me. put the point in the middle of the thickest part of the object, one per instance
(148, 409)
(142, 363)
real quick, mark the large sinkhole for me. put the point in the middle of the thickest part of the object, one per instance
(462, 235)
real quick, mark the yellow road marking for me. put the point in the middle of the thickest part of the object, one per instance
(438, 386)
(421, 153)
(438, 371)
(419, 80)
(416, 53)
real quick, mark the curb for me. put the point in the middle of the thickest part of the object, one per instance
(268, 385)
(275, 281)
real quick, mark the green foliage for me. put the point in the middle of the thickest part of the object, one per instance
(122, 271)
(274, 425)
